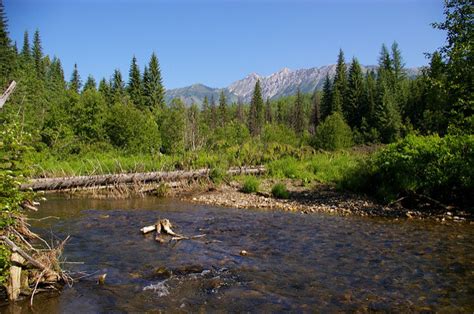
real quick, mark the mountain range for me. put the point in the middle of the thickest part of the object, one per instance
(282, 83)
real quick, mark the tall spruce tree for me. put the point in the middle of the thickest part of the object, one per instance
(7, 56)
(38, 55)
(240, 114)
(154, 92)
(255, 119)
(105, 89)
(75, 83)
(135, 88)
(316, 111)
(397, 64)
(268, 112)
(213, 113)
(222, 110)
(298, 120)
(90, 84)
(326, 98)
(26, 49)
(118, 86)
(355, 105)
(339, 89)
(206, 112)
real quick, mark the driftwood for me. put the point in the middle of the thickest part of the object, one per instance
(164, 227)
(128, 178)
(7, 93)
(14, 281)
(16, 248)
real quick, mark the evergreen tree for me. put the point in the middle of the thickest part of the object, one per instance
(38, 55)
(326, 98)
(90, 84)
(75, 83)
(385, 62)
(213, 114)
(206, 112)
(370, 95)
(255, 119)
(134, 88)
(222, 110)
(268, 112)
(280, 113)
(26, 50)
(105, 89)
(57, 73)
(298, 121)
(154, 92)
(398, 64)
(355, 108)
(339, 88)
(240, 114)
(118, 86)
(316, 111)
(6, 52)
(387, 115)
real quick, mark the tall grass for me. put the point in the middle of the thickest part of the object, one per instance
(322, 167)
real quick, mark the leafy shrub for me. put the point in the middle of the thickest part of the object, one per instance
(442, 168)
(251, 185)
(279, 190)
(217, 175)
(333, 133)
(289, 168)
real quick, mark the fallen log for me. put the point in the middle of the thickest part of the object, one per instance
(62, 183)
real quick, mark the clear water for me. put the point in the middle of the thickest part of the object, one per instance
(295, 262)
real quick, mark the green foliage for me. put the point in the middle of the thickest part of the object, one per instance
(4, 263)
(173, 128)
(459, 55)
(12, 174)
(255, 120)
(75, 83)
(333, 133)
(251, 185)
(279, 190)
(130, 129)
(279, 133)
(298, 118)
(135, 86)
(438, 167)
(154, 92)
(217, 175)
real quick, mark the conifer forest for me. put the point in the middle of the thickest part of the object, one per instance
(398, 139)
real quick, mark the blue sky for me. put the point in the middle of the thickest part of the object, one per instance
(217, 42)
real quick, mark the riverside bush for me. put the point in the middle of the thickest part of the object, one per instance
(333, 133)
(279, 190)
(251, 185)
(442, 168)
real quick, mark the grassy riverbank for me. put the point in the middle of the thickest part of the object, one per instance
(312, 166)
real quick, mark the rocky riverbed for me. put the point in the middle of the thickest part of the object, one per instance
(319, 198)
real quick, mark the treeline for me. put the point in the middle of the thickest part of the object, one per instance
(355, 106)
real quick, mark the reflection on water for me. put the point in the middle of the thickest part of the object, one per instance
(295, 262)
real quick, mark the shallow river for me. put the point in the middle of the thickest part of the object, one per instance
(295, 262)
